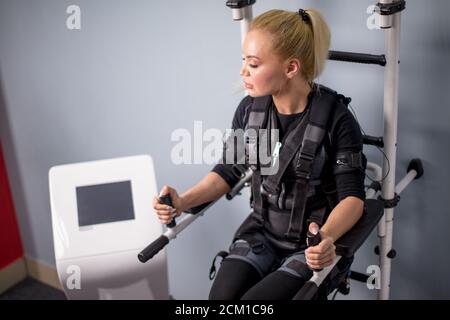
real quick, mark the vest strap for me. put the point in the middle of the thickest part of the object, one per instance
(297, 211)
(312, 139)
(317, 216)
(258, 207)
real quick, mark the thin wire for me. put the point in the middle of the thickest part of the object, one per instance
(381, 150)
(334, 295)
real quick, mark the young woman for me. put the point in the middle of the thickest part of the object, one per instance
(284, 52)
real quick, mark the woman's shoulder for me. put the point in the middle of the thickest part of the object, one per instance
(340, 102)
(345, 130)
(343, 125)
(242, 112)
(245, 103)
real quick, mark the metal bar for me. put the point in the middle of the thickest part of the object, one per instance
(357, 57)
(358, 276)
(319, 276)
(374, 141)
(247, 14)
(392, 46)
(405, 181)
(171, 233)
(376, 169)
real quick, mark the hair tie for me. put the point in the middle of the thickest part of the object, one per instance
(302, 13)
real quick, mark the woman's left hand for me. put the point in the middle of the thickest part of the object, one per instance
(321, 255)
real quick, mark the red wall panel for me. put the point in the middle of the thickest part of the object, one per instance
(10, 244)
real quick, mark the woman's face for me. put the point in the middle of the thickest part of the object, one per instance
(262, 71)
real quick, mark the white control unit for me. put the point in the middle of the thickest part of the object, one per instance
(102, 217)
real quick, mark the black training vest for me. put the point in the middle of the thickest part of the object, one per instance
(304, 178)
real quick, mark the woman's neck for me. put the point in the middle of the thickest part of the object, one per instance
(293, 97)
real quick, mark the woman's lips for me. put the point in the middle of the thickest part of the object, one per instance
(248, 86)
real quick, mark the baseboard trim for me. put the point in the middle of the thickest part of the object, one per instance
(12, 274)
(42, 272)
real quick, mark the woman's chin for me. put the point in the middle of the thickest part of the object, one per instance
(252, 93)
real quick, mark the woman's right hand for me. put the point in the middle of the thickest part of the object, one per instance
(164, 212)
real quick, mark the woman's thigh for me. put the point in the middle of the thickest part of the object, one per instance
(249, 261)
(233, 279)
(287, 280)
(283, 283)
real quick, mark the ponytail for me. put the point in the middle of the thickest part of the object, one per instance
(321, 35)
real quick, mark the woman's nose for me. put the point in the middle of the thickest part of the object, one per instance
(243, 70)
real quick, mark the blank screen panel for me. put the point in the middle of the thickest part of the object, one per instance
(102, 203)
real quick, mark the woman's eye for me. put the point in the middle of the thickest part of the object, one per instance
(250, 65)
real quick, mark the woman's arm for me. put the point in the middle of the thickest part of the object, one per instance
(210, 188)
(343, 217)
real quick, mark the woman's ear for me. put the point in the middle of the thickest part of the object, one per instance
(292, 67)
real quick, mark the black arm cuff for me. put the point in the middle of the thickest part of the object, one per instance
(224, 170)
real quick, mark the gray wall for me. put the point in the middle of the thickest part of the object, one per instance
(137, 70)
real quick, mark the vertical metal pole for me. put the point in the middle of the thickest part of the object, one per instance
(245, 22)
(391, 75)
(244, 15)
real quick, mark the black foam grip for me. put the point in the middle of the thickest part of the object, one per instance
(153, 248)
(165, 199)
(313, 240)
(375, 141)
(357, 57)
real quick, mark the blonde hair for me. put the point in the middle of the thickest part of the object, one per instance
(305, 37)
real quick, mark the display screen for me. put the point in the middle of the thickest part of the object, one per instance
(104, 203)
